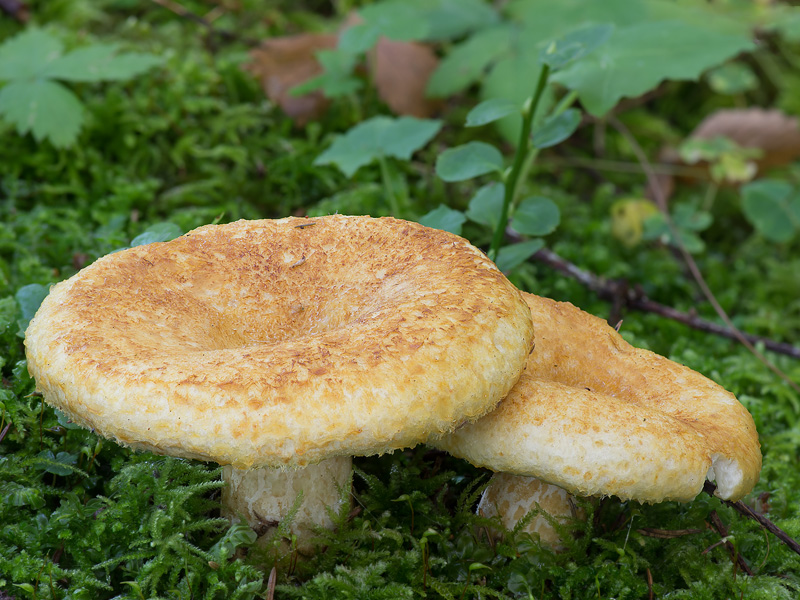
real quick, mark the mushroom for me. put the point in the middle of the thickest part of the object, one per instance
(595, 416)
(282, 344)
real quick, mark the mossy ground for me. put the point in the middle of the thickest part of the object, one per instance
(195, 142)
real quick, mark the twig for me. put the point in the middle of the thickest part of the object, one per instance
(667, 534)
(15, 8)
(723, 532)
(5, 431)
(634, 298)
(742, 508)
(185, 13)
(661, 201)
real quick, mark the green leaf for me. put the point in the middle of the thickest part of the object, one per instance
(358, 39)
(45, 108)
(467, 61)
(513, 78)
(444, 218)
(50, 463)
(687, 221)
(510, 257)
(773, 208)
(468, 161)
(575, 45)
(160, 232)
(536, 216)
(26, 54)
(29, 298)
(491, 110)
(396, 19)
(450, 19)
(637, 58)
(557, 128)
(486, 205)
(100, 62)
(379, 136)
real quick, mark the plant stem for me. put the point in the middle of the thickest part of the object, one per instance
(565, 103)
(519, 159)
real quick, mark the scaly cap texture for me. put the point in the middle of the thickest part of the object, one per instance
(270, 343)
(597, 416)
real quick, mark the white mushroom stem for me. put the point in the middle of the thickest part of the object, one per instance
(266, 496)
(514, 496)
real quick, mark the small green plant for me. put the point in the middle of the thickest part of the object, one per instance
(377, 139)
(32, 99)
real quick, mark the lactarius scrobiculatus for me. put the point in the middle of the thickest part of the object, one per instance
(271, 346)
(596, 416)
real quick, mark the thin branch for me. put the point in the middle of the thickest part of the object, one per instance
(667, 534)
(742, 508)
(634, 298)
(661, 201)
(185, 13)
(723, 532)
(15, 8)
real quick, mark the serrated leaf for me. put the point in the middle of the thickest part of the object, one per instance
(486, 205)
(45, 108)
(510, 257)
(773, 208)
(26, 54)
(491, 110)
(99, 62)
(639, 57)
(468, 161)
(536, 216)
(445, 218)
(573, 46)
(379, 136)
(467, 61)
(557, 128)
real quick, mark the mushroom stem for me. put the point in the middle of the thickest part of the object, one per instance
(265, 496)
(514, 496)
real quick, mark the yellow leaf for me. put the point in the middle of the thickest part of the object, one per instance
(627, 219)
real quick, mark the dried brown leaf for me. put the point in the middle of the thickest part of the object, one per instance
(774, 133)
(285, 62)
(401, 71)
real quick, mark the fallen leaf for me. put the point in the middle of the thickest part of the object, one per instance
(401, 71)
(774, 135)
(285, 62)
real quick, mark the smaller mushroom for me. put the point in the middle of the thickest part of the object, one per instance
(595, 416)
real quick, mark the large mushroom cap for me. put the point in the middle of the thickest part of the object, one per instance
(269, 343)
(597, 416)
